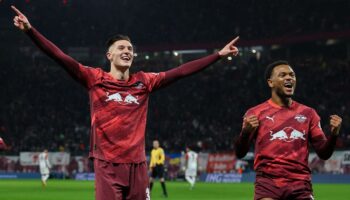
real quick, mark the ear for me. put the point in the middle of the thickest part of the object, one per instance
(109, 56)
(270, 83)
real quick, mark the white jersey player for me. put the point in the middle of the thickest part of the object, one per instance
(191, 166)
(45, 166)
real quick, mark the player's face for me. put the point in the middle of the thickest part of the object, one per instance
(155, 144)
(283, 81)
(121, 54)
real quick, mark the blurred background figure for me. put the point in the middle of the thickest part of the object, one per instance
(191, 166)
(44, 166)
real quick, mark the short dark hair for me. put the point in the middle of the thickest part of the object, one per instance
(115, 38)
(270, 67)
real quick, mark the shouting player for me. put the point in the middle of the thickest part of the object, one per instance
(282, 129)
(119, 104)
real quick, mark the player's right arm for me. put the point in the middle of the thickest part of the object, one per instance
(249, 127)
(74, 68)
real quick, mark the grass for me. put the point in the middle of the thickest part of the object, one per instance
(84, 190)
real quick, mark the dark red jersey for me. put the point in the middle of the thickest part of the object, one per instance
(118, 114)
(282, 139)
(118, 108)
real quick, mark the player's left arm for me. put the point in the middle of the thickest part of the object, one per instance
(162, 157)
(324, 146)
(157, 80)
(192, 67)
(48, 162)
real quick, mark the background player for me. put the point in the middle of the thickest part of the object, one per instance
(44, 166)
(282, 129)
(191, 166)
(156, 166)
(119, 105)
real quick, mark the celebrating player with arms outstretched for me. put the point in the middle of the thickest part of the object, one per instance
(282, 130)
(119, 103)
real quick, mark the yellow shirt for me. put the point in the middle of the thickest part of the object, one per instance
(157, 157)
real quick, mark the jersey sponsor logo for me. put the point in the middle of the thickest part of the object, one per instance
(287, 134)
(122, 98)
(300, 118)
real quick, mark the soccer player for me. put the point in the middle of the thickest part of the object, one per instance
(191, 166)
(118, 104)
(2, 145)
(156, 166)
(44, 166)
(281, 130)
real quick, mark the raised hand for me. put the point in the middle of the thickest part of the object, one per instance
(250, 124)
(335, 123)
(229, 48)
(20, 20)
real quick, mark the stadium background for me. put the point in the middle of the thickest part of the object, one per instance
(42, 107)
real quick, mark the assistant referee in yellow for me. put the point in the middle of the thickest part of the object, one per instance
(156, 166)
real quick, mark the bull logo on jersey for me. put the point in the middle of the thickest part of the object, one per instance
(300, 118)
(122, 98)
(287, 134)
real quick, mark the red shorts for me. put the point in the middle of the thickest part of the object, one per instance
(282, 189)
(121, 181)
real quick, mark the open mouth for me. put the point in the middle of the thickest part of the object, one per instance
(126, 58)
(288, 85)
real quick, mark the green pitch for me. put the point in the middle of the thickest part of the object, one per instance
(84, 190)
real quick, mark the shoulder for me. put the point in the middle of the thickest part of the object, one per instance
(303, 107)
(256, 110)
(306, 110)
(148, 75)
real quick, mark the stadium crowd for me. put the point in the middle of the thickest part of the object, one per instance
(43, 108)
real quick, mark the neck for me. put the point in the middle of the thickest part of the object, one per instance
(281, 101)
(119, 74)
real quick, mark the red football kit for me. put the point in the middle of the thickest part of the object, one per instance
(118, 119)
(282, 141)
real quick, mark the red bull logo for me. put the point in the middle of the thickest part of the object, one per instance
(287, 134)
(122, 98)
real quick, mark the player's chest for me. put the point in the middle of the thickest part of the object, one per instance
(284, 125)
(119, 95)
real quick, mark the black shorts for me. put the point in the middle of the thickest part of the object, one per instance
(158, 171)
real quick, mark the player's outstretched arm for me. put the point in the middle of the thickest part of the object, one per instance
(250, 125)
(200, 64)
(23, 24)
(324, 147)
